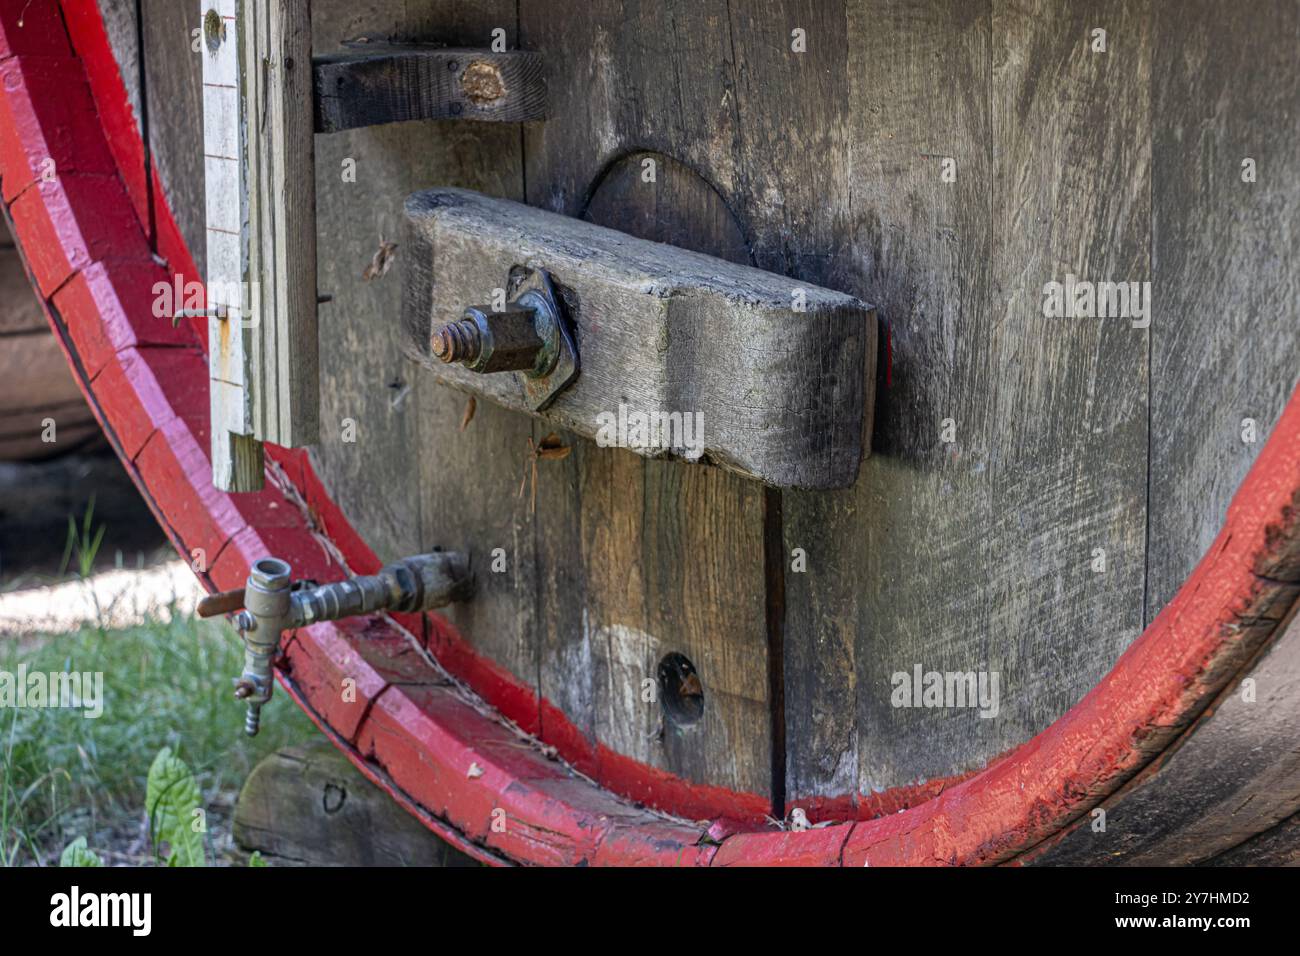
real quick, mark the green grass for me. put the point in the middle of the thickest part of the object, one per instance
(64, 776)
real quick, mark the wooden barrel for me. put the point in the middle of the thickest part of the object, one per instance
(1051, 619)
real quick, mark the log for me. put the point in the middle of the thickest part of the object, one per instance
(307, 806)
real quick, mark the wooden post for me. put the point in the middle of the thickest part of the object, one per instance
(261, 231)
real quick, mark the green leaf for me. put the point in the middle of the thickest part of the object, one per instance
(256, 859)
(171, 797)
(77, 854)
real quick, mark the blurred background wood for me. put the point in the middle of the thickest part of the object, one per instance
(36, 385)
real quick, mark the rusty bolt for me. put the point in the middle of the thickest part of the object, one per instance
(458, 342)
(244, 689)
(485, 341)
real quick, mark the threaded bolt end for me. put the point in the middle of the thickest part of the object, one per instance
(457, 342)
(253, 720)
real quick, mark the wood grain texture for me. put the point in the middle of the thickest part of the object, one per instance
(277, 164)
(1225, 347)
(410, 478)
(709, 85)
(400, 84)
(672, 547)
(1226, 331)
(671, 559)
(173, 95)
(1071, 188)
(973, 554)
(877, 555)
(764, 374)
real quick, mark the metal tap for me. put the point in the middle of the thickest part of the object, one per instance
(272, 604)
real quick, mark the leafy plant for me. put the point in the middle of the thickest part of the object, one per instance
(63, 776)
(173, 803)
(78, 854)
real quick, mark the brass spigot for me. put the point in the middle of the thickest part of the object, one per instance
(272, 604)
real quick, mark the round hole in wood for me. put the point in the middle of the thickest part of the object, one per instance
(681, 690)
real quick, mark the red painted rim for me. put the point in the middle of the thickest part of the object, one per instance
(449, 757)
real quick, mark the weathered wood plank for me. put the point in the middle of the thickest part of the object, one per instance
(1224, 90)
(669, 546)
(259, 159)
(892, 576)
(710, 87)
(672, 559)
(391, 449)
(231, 250)
(399, 84)
(277, 164)
(748, 370)
(1071, 194)
(174, 98)
(1226, 331)
(1008, 445)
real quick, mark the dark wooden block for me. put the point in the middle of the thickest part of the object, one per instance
(775, 368)
(394, 84)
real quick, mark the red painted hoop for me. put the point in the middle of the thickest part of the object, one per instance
(84, 227)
